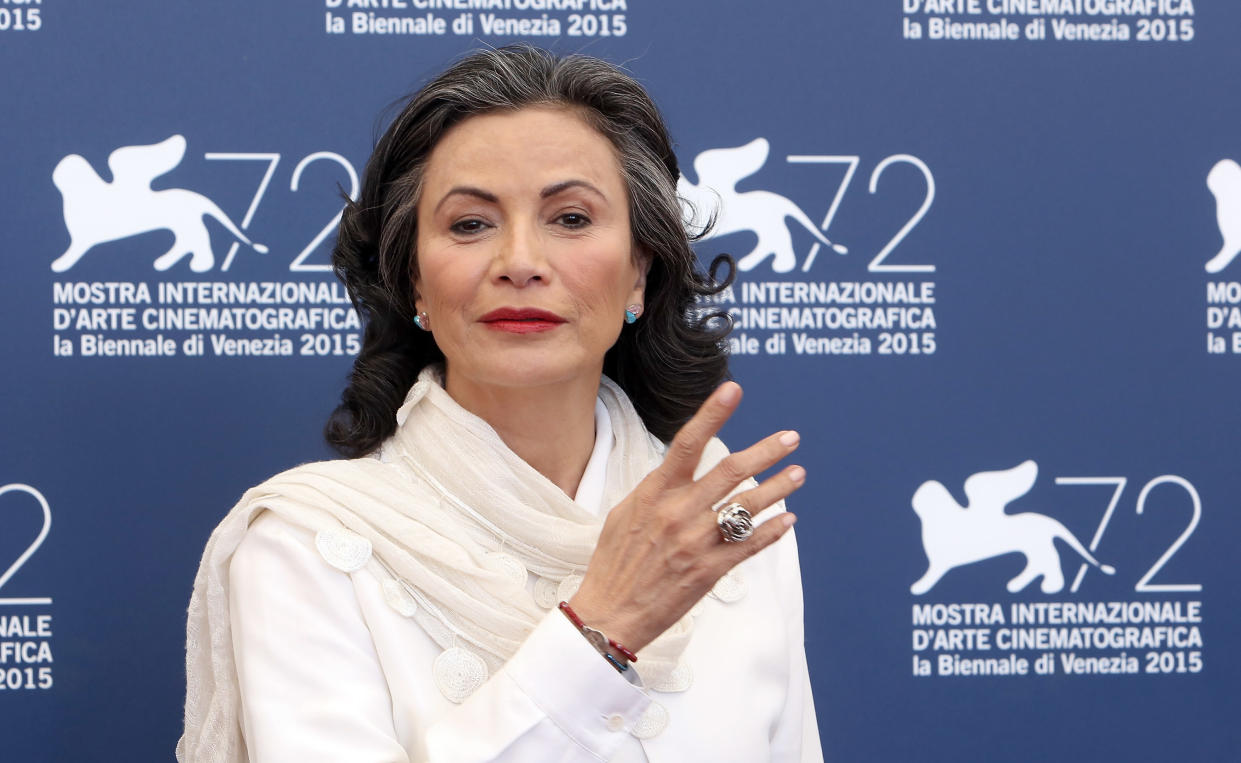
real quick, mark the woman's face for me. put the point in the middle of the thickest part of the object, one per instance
(526, 261)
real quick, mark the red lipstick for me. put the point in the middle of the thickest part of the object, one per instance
(521, 320)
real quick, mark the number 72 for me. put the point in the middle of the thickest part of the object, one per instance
(1143, 585)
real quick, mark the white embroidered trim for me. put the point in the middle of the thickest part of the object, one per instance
(343, 548)
(568, 587)
(398, 599)
(732, 587)
(680, 679)
(458, 673)
(546, 592)
(652, 722)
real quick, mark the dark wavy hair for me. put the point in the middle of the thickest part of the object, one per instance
(667, 362)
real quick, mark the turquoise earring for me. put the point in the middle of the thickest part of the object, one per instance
(632, 312)
(422, 321)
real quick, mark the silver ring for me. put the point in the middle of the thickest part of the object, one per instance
(736, 524)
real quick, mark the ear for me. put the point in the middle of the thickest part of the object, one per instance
(413, 287)
(642, 261)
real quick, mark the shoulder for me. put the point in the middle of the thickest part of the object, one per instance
(270, 530)
(278, 560)
(281, 520)
(322, 486)
(270, 541)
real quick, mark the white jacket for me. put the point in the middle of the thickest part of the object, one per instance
(329, 671)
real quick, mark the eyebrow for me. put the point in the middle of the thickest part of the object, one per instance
(467, 190)
(546, 193)
(564, 185)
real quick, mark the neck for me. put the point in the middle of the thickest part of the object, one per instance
(551, 428)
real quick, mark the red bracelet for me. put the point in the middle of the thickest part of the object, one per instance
(595, 637)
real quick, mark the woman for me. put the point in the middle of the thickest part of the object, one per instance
(439, 596)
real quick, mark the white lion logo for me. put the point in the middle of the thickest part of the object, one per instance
(1224, 180)
(953, 535)
(97, 211)
(763, 212)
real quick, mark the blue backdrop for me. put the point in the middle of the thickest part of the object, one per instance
(978, 237)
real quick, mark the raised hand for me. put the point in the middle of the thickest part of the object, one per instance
(661, 550)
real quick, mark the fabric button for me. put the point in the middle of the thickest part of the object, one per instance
(680, 679)
(458, 673)
(545, 592)
(732, 587)
(616, 722)
(568, 587)
(652, 722)
(397, 598)
(343, 548)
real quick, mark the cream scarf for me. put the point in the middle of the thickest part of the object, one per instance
(450, 520)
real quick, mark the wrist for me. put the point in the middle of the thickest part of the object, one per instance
(613, 650)
(603, 618)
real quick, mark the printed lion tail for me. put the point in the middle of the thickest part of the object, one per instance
(1070, 539)
(796, 213)
(223, 219)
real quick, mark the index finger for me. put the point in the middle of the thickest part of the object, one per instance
(685, 450)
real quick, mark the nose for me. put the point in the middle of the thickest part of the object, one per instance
(520, 260)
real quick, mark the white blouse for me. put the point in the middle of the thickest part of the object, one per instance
(328, 671)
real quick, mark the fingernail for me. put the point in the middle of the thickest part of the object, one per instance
(790, 438)
(790, 520)
(797, 475)
(729, 392)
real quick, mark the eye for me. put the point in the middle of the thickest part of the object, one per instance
(469, 226)
(573, 220)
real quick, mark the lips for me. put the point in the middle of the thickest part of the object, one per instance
(524, 320)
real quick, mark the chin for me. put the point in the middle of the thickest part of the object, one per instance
(526, 370)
